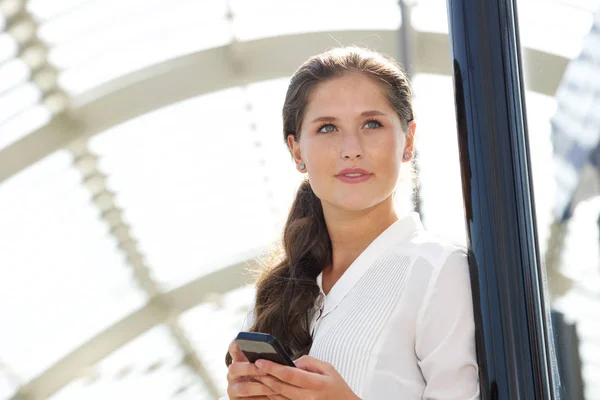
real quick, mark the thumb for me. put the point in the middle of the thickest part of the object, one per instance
(236, 354)
(311, 364)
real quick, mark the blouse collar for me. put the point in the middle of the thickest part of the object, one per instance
(397, 232)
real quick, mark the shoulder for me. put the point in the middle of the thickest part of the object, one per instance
(444, 270)
(438, 266)
(432, 250)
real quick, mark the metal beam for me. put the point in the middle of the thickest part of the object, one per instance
(406, 56)
(155, 312)
(210, 70)
(103, 198)
(23, 27)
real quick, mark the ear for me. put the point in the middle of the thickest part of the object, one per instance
(294, 147)
(409, 146)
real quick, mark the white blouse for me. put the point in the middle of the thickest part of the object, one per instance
(398, 324)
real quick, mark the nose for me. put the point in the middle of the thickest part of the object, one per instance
(351, 146)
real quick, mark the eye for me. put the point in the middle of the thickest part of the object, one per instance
(327, 128)
(372, 124)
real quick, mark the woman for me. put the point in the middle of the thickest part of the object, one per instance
(369, 304)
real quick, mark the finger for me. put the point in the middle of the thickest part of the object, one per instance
(278, 397)
(243, 369)
(251, 398)
(284, 390)
(249, 389)
(311, 364)
(291, 375)
(236, 354)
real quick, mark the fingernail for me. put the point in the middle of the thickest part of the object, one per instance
(259, 363)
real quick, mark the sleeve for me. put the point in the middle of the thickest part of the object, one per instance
(245, 326)
(445, 336)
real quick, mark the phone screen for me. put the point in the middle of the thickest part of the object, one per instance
(259, 349)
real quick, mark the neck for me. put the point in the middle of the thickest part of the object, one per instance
(351, 232)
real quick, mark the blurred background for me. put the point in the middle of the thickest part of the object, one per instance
(143, 169)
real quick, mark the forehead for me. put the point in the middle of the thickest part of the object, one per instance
(349, 93)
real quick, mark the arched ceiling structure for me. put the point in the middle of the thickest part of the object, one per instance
(74, 140)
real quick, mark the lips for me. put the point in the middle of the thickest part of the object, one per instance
(353, 171)
(354, 175)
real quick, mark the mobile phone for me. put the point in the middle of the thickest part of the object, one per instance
(257, 346)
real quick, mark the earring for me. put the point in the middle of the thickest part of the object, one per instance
(302, 166)
(406, 156)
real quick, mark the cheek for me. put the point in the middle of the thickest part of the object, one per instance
(319, 155)
(321, 158)
(390, 152)
(390, 163)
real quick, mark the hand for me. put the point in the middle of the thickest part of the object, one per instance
(311, 380)
(241, 378)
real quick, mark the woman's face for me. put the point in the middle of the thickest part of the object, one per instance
(352, 143)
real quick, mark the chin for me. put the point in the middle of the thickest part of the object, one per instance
(356, 202)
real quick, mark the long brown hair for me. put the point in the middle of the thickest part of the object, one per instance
(286, 291)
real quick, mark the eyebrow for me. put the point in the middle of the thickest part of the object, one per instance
(371, 113)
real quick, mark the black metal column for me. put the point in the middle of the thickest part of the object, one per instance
(511, 316)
